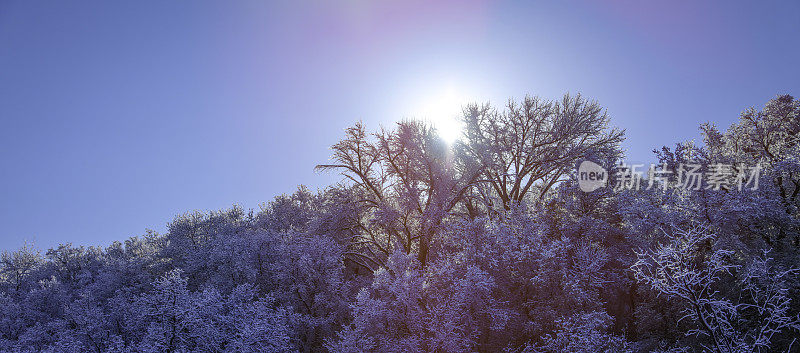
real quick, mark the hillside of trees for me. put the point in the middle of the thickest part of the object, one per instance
(485, 245)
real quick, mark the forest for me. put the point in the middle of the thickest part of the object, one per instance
(487, 244)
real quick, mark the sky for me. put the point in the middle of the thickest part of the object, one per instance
(117, 116)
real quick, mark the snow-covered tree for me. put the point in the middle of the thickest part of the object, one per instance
(534, 144)
(408, 184)
(690, 267)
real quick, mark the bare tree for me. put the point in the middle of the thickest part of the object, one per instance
(534, 144)
(411, 180)
(409, 184)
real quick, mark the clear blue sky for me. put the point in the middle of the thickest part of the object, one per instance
(116, 116)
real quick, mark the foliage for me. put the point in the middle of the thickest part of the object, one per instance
(486, 245)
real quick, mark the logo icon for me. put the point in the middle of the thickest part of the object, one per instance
(591, 176)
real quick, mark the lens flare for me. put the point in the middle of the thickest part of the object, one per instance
(443, 111)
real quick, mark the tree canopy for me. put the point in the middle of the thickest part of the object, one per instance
(484, 245)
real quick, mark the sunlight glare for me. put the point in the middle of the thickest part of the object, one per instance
(443, 112)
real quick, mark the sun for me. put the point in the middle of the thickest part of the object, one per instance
(443, 111)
